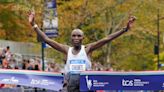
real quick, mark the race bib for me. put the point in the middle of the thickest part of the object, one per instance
(77, 65)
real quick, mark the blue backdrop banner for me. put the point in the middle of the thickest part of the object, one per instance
(46, 80)
(149, 80)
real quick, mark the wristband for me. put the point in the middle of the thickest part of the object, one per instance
(125, 29)
(35, 26)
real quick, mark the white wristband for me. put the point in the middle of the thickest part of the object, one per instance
(35, 26)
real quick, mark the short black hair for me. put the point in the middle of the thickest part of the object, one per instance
(8, 47)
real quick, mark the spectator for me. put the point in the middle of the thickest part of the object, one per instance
(50, 67)
(30, 64)
(0, 57)
(8, 53)
(38, 64)
(5, 64)
(24, 64)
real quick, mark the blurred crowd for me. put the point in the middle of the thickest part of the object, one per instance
(8, 61)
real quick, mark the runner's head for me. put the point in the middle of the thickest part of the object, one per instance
(77, 36)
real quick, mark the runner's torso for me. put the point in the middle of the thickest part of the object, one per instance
(77, 63)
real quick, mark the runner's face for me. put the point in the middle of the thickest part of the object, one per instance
(77, 37)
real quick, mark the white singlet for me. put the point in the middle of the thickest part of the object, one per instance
(77, 63)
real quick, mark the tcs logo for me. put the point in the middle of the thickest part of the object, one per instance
(127, 82)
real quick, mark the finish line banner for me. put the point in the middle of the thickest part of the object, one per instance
(46, 80)
(102, 80)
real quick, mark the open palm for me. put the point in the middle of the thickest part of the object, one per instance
(131, 21)
(31, 18)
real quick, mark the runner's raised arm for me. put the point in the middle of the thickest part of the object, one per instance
(60, 47)
(92, 46)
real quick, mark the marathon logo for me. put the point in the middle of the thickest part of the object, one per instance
(134, 82)
(127, 82)
(10, 80)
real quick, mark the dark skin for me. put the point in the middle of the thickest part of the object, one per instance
(77, 37)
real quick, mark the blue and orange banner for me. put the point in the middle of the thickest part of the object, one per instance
(46, 80)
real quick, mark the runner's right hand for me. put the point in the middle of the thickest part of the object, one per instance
(31, 17)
